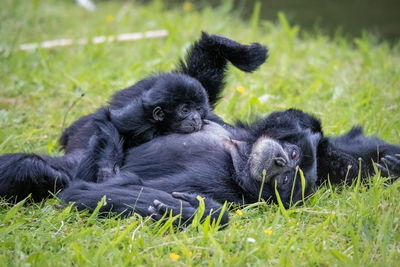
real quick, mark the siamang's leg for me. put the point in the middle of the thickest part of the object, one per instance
(339, 158)
(206, 61)
(24, 174)
(105, 154)
(125, 194)
(335, 164)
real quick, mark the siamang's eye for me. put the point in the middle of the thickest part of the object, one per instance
(293, 155)
(185, 110)
(285, 180)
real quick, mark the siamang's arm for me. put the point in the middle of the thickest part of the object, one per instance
(24, 174)
(339, 158)
(125, 194)
(105, 154)
(207, 59)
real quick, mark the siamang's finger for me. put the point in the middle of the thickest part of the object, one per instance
(393, 165)
(151, 210)
(179, 195)
(191, 198)
(396, 157)
(383, 169)
(392, 162)
(161, 207)
(391, 158)
(154, 213)
(158, 213)
(185, 212)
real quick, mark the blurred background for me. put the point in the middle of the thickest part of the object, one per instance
(346, 17)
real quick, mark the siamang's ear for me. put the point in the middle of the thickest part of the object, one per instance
(158, 114)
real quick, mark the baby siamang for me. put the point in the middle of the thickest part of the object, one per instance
(154, 106)
(157, 105)
(221, 162)
(162, 104)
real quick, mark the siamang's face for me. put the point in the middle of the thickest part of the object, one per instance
(185, 118)
(188, 118)
(179, 102)
(281, 164)
(300, 176)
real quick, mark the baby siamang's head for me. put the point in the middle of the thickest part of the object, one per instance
(177, 103)
(278, 163)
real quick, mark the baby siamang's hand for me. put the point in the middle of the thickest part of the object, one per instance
(390, 166)
(186, 208)
(106, 146)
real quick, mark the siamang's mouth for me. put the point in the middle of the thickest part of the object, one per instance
(189, 128)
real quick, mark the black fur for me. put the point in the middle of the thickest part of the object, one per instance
(168, 172)
(340, 158)
(208, 58)
(22, 174)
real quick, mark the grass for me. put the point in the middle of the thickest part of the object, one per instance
(344, 82)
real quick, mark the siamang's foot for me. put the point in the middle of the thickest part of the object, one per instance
(187, 208)
(61, 178)
(186, 212)
(390, 166)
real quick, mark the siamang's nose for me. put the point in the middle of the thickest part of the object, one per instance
(197, 120)
(280, 160)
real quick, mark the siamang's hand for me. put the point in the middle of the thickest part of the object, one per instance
(186, 208)
(106, 146)
(390, 166)
(103, 124)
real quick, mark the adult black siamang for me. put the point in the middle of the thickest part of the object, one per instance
(220, 162)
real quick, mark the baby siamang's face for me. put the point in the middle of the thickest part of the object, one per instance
(188, 118)
(179, 102)
(184, 118)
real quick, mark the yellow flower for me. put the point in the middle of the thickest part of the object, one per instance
(187, 6)
(268, 231)
(174, 256)
(190, 253)
(239, 212)
(110, 18)
(241, 89)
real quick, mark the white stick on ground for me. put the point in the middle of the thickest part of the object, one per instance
(87, 4)
(97, 40)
